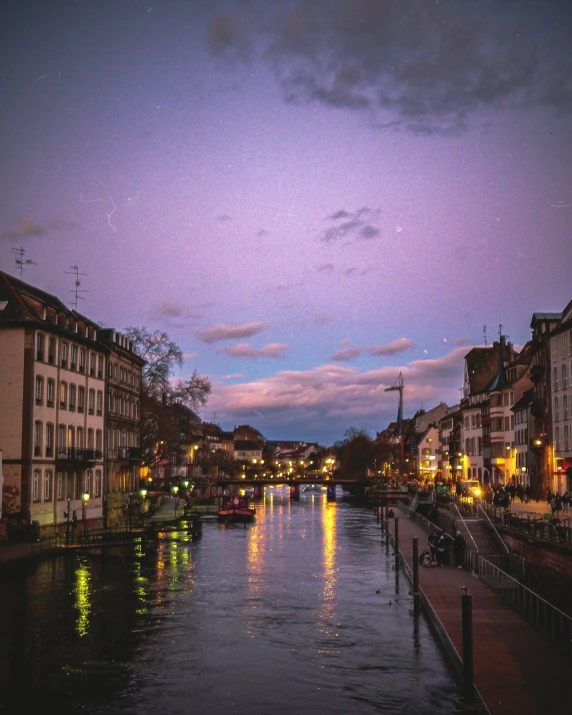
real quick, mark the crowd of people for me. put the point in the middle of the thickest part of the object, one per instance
(439, 550)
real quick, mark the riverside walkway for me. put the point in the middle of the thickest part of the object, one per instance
(517, 671)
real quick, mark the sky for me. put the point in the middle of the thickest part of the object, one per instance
(309, 196)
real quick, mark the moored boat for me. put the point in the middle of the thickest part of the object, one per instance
(236, 508)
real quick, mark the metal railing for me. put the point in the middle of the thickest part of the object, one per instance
(471, 551)
(548, 619)
(490, 530)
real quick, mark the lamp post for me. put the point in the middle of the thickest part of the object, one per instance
(84, 500)
(129, 510)
(68, 522)
(142, 495)
(175, 490)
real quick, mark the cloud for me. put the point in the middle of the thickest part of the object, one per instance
(173, 313)
(29, 228)
(347, 355)
(325, 268)
(190, 356)
(357, 225)
(333, 397)
(322, 319)
(425, 67)
(263, 233)
(394, 348)
(230, 332)
(272, 350)
(224, 218)
(228, 36)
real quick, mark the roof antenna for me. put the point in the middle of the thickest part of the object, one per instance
(21, 261)
(76, 290)
(485, 334)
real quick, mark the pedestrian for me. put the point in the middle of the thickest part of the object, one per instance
(442, 555)
(566, 501)
(74, 519)
(520, 493)
(433, 540)
(459, 549)
(527, 493)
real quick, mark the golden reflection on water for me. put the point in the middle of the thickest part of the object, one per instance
(327, 625)
(83, 596)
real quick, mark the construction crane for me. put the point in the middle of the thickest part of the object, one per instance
(399, 386)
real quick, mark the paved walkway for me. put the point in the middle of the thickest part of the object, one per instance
(517, 671)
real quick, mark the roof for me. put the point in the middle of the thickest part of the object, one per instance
(524, 401)
(246, 445)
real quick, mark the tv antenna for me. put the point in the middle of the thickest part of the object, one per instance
(21, 261)
(76, 291)
(485, 334)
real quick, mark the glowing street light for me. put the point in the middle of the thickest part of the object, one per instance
(84, 500)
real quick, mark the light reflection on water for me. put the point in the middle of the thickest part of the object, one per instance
(300, 612)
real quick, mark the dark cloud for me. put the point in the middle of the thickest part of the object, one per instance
(224, 218)
(357, 225)
(29, 228)
(262, 233)
(421, 65)
(325, 268)
(230, 332)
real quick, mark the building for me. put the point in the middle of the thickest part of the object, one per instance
(52, 421)
(560, 475)
(122, 428)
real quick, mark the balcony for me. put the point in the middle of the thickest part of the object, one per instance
(82, 458)
(130, 454)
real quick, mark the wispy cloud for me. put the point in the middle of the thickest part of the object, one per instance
(230, 332)
(245, 350)
(347, 354)
(29, 228)
(335, 396)
(395, 347)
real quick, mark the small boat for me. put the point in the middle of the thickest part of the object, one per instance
(313, 488)
(237, 508)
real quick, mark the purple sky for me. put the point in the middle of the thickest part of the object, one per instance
(308, 197)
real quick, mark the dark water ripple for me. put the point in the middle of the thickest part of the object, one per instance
(301, 612)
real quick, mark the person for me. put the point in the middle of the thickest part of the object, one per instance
(520, 492)
(527, 493)
(442, 555)
(433, 539)
(566, 501)
(425, 558)
(459, 549)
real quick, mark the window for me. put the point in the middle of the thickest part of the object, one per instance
(91, 402)
(100, 366)
(556, 412)
(88, 480)
(63, 395)
(115, 371)
(49, 439)
(99, 440)
(36, 486)
(555, 385)
(80, 399)
(51, 350)
(97, 483)
(47, 485)
(73, 357)
(82, 360)
(92, 364)
(60, 486)
(71, 402)
(565, 410)
(51, 385)
(80, 443)
(564, 377)
(99, 402)
(90, 433)
(566, 438)
(61, 438)
(39, 390)
(64, 355)
(557, 436)
(39, 347)
(37, 439)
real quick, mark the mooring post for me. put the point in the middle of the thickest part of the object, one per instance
(467, 616)
(396, 545)
(416, 594)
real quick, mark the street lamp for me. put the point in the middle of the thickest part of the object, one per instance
(175, 490)
(84, 500)
(142, 495)
(68, 522)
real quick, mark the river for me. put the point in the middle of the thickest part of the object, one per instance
(300, 612)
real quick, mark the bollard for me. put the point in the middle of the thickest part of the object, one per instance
(396, 543)
(416, 594)
(467, 616)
